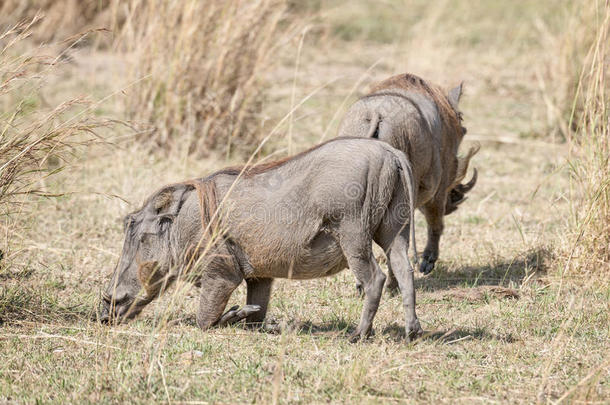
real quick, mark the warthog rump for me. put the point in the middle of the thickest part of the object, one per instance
(422, 121)
(304, 217)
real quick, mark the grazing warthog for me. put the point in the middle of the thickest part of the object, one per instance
(419, 119)
(303, 217)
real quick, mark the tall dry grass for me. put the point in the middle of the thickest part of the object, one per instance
(589, 140)
(199, 68)
(575, 87)
(62, 18)
(36, 140)
(566, 47)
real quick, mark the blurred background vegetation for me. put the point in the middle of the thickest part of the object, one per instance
(203, 76)
(101, 101)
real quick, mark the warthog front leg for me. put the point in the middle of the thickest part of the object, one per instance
(216, 289)
(434, 212)
(235, 314)
(259, 292)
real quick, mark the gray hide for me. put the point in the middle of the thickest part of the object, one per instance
(410, 121)
(305, 217)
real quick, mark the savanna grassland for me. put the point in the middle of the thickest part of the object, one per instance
(94, 120)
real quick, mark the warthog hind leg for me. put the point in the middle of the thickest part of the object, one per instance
(434, 212)
(360, 259)
(406, 282)
(371, 277)
(396, 246)
(391, 284)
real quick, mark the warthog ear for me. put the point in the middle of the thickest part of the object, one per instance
(163, 200)
(168, 201)
(454, 96)
(163, 208)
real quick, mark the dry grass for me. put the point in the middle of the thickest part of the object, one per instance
(589, 140)
(35, 140)
(62, 18)
(199, 66)
(575, 85)
(505, 322)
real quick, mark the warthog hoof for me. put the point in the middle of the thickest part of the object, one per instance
(234, 314)
(414, 330)
(356, 336)
(427, 263)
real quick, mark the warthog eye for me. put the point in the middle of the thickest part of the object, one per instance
(464, 130)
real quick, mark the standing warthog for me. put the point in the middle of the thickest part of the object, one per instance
(419, 119)
(303, 217)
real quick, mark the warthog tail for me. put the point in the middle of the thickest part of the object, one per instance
(406, 177)
(374, 130)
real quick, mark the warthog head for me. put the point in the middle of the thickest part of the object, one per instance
(143, 270)
(457, 193)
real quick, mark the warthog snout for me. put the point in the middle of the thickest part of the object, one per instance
(457, 195)
(103, 312)
(115, 310)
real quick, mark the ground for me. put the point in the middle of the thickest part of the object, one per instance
(503, 322)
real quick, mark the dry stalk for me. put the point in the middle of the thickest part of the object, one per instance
(203, 63)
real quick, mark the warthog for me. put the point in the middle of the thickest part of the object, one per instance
(419, 119)
(303, 217)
